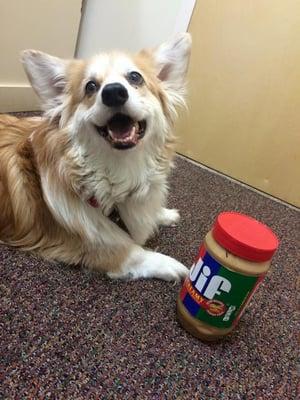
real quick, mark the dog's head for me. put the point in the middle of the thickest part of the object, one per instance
(114, 99)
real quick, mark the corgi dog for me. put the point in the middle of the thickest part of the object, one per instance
(105, 143)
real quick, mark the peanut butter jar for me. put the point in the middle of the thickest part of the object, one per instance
(232, 262)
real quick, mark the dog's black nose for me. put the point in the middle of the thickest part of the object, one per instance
(114, 95)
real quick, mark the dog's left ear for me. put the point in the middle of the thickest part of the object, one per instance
(46, 75)
(172, 59)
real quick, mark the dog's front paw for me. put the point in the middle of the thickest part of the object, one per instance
(166, 268)
(148, 264)
(169, 217)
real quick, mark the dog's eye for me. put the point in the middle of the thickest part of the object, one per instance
(91, 87)
(135, 78)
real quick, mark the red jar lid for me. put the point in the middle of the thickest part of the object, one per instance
(245, 237)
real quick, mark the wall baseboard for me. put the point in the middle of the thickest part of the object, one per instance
(18, 98)
(243, 184)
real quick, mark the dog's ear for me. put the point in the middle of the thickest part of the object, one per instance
(172, 59)
(46, 75)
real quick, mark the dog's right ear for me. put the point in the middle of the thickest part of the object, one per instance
(47, 75)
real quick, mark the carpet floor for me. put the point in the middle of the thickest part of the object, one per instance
(69, 334)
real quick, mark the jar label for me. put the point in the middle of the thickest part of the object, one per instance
(216, 295)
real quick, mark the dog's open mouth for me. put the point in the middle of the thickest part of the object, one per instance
(122, 132)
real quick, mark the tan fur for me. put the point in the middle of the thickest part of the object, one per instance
(25, 220)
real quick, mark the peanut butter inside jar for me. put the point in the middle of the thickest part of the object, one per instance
(232, 262)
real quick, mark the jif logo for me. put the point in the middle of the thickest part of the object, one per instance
(207, 284)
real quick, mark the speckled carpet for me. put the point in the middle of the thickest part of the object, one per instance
(69, 334)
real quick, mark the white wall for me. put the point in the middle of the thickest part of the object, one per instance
(130, 24)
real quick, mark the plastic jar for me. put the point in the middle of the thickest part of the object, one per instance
(232, 262)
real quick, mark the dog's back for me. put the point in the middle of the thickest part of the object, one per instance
(19, 183)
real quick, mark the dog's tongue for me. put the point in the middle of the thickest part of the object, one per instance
(121, 126)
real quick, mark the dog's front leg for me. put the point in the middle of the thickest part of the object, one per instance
(138, 262)
(143, 218)
(140, 218)
(141, 263)
(168, 217)
(91, 239)
(116, 255)
(99, 244)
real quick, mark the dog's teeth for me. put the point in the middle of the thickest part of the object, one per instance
(130, 138)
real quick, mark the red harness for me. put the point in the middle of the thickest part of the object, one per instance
(93, 202)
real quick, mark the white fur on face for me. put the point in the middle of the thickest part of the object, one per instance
(113, 69)
(141, 105)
